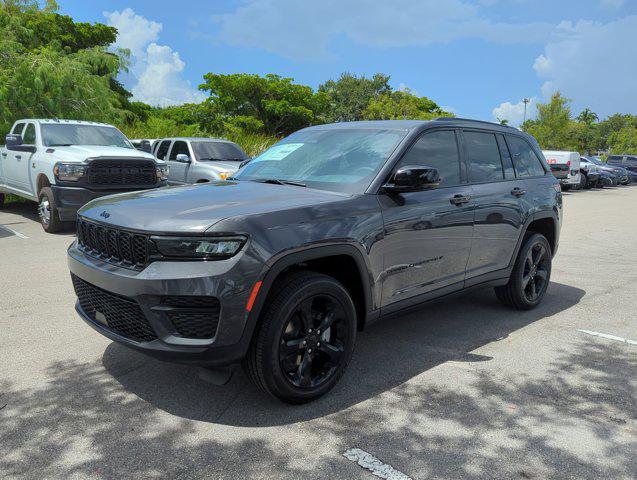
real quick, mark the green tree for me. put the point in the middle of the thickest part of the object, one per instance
(551, 124)
(624, 140)
(53, 67)
(350, 95)
(270, 104)
(402, 105)
(587, 116)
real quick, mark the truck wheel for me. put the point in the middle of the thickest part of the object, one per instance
(305, 340)
(583, 181)
(530, 277)
(48, 212)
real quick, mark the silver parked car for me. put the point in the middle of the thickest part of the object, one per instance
(199, 160)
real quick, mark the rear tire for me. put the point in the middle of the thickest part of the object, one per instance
(531, 275)
(48, 212)
(305, 340)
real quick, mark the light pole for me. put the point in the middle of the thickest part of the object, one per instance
(525, 101)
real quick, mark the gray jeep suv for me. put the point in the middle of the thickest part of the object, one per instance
(331, 228)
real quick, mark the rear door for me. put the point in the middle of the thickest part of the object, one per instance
(427, 234)
(496, 193)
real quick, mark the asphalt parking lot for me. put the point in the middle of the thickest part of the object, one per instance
(463, 388)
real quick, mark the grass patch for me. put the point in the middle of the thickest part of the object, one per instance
(13, 198)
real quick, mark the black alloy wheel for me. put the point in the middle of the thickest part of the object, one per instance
(535, 275)
(313, 342)
(531, 274)
(305, 337)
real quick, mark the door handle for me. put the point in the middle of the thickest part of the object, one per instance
(460, 199)
(4, 154)
(18, 157)
(517, 192)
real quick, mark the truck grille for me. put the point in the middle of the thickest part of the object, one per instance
(121, 173)
(113, 244)
(120, 314)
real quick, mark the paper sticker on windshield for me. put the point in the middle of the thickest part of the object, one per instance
(279, 152)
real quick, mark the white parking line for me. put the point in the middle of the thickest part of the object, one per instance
(11, 230)
(374, 465)
(610, 337)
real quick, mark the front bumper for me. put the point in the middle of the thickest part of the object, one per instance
(572, 179)
(230, 281)
(69, 200)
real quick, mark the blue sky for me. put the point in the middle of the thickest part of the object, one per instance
(479, 58)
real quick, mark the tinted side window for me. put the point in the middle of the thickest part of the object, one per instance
(614, 159)
(438, 150)
(163, 149)
(29, 135)
(526, 162)
(17, 130)
(484, 157)
(505, 155)
(179, 148)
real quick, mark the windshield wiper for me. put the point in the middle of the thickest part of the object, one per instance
(278, 181)
(61, 145)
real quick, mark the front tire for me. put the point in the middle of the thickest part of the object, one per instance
(306, 338)
(583, 181)
(48, 212)
(531, 275)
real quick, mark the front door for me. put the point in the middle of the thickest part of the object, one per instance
(16, 164)
(178, 169)
(428, 233)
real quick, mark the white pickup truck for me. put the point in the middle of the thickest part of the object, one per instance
(63, 164)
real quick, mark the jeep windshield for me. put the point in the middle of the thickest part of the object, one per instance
(205, 151)
(336, 159)
(66, 134)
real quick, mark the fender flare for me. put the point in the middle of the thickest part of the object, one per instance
(279, 264)
(536, 216)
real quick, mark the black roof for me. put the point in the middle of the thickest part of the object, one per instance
(417, 124)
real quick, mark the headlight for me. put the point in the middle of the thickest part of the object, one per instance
(212, 248)
(162, 172)
(69, 172)
(224, 175)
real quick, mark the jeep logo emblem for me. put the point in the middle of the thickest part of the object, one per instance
(105, 214)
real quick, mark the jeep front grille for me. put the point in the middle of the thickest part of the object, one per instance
(112, 244)
(119, 314)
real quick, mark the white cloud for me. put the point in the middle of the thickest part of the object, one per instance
(305, 29)
(593, 63)
(133, 31)
(514, 112)
(156, 69)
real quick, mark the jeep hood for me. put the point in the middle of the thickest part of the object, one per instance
(80, 153)
(194, 209)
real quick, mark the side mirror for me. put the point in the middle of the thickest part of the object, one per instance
(145, 146)
(413, 178)
(13, 142)
(183, 158)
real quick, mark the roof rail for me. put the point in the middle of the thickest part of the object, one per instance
(450, 119)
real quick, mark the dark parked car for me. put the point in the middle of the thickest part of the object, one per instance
(326, 231)
(629, 162)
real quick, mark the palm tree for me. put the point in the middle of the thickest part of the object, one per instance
(587, 116)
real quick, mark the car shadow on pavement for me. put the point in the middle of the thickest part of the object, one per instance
(387, 354)
(572, 419)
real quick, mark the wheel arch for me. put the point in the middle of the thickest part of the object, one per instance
(544, 222)
(344, 262)
(41, 182)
